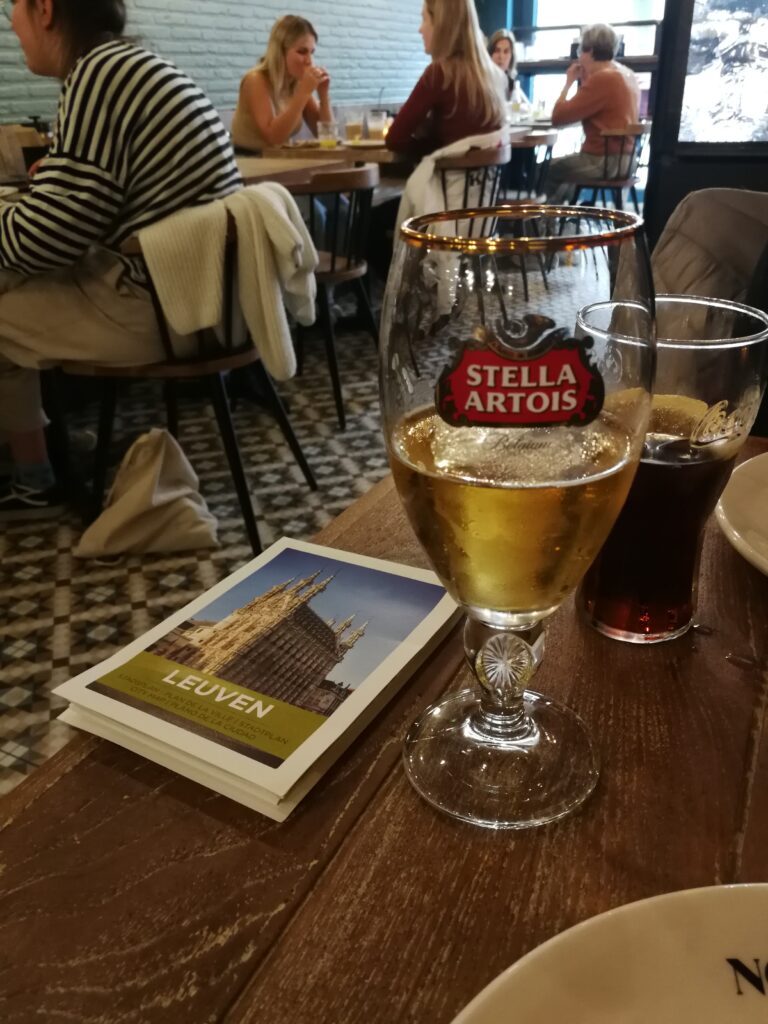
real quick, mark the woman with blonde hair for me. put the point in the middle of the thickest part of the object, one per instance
(278, 95)
(461, 92)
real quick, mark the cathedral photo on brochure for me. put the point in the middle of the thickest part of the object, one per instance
(302, 629)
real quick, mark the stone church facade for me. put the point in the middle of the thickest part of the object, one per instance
(275, 644)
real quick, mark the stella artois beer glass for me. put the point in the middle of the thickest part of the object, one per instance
(712, 360)
(513, 443)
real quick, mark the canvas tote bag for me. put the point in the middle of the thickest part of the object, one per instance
(154, 504)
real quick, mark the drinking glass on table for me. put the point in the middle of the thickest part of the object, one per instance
(512, 445)
(353, 124)
(327, 134)
(712, 361)
(377, 124)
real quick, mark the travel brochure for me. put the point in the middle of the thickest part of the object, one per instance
(257, 686)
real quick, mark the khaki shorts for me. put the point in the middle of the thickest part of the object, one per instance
(89, 312)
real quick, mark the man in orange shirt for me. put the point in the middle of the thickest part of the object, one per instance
(608, 97)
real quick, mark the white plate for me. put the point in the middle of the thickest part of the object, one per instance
(663, 960)
(364, 143)
(742, 513)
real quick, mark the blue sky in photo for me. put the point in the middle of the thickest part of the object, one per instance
(392, 605)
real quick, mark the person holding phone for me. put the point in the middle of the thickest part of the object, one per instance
(608, 97)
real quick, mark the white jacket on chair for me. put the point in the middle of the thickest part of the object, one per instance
(423, 194)
(275, 268)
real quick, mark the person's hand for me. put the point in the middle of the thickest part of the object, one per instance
(573, 74)
(324, 84)
(311, 80)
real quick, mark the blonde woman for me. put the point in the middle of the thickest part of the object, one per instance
(460, 93)
(285, 90)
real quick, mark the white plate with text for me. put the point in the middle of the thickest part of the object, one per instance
(699, 956)
(742, 511)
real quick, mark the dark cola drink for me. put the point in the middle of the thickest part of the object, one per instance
(641, 587)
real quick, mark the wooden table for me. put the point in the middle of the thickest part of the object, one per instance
(285, 170)
(538, 137)
(131, 895)
(382, 155)
(345, 154)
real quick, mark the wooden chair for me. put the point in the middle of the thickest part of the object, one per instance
(219, 354)
(624, 174)
(533, 152)
(482, 169)
(347, 197)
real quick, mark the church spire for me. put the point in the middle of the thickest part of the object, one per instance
(338, 630)
(307, 581)
(318, 588)
(354, 636)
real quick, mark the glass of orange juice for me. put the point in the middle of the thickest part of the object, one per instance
(327, 134)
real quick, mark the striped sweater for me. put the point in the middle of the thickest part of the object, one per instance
(135, 140)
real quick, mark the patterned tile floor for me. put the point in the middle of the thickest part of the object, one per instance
(59, 615)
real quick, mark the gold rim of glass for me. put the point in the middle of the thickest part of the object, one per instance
(626, 226)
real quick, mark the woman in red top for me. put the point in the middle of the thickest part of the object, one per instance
(459, 94)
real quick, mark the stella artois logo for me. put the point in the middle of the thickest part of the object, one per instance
(521, 379)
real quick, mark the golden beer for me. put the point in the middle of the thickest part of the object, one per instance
(500, 534)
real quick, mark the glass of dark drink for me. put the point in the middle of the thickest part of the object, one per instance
(513, 442)
(712, 361)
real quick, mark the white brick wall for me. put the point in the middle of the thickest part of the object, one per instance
(371, 48)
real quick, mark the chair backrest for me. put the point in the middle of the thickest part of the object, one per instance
(712, 244)
(339, 212)
(231, 336)
(623, 145)
(481, 169)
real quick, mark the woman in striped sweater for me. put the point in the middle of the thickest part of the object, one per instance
(135, 140)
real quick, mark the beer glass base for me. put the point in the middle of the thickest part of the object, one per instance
(637, 638)
(499, 783)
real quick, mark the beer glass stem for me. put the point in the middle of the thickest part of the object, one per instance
(503, 661)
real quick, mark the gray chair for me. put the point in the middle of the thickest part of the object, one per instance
(716, 244)
(712, 243)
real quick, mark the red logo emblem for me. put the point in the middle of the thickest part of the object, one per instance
(496, 388)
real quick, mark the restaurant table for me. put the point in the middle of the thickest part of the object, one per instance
(538, 137)
(284, 170)
(130, 894)
(382, 155)
(347, 154)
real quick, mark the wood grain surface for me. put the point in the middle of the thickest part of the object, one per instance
(283, 169)
(131, 895)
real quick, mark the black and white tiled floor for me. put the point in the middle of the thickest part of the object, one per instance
(59, 615)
